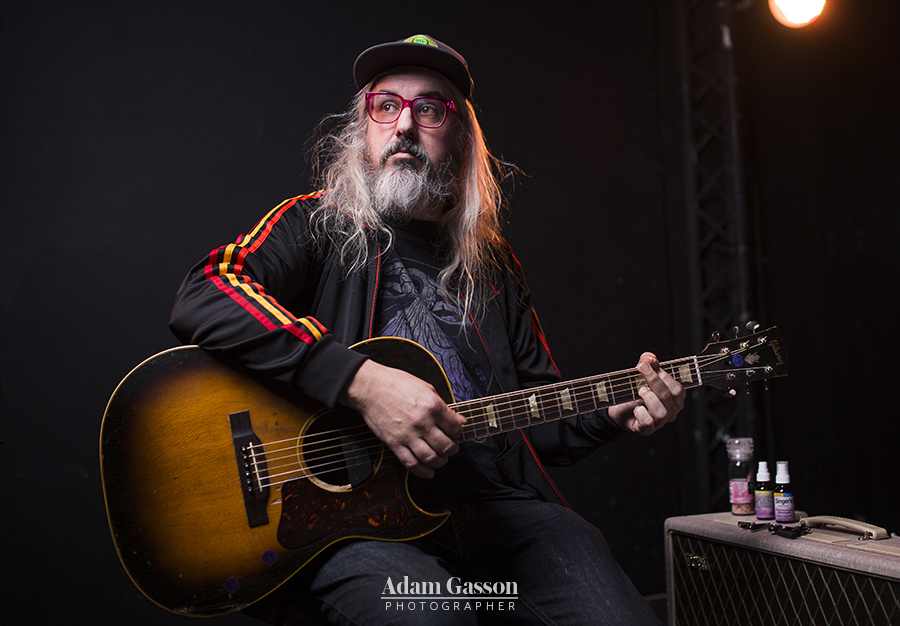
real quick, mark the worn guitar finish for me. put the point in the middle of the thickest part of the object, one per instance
(174, 485)
(218, 490)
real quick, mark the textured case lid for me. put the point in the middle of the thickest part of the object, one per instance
(829, 546)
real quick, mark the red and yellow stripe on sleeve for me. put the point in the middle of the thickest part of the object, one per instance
(225, 270)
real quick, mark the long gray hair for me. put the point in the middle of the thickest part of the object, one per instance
(471, 223)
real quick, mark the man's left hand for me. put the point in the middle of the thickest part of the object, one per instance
(661, 400)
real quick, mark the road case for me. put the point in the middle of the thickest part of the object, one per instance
(719, 573)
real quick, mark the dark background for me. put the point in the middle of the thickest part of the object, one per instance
(138, 136)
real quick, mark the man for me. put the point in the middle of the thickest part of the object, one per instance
(405, 241)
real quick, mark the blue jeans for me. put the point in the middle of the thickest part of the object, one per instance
(557, 568)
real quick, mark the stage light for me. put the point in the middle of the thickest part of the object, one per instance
(796, 13)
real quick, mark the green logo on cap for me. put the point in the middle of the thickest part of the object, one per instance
(421, 39)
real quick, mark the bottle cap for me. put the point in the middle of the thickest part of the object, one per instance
(783, 474)
(762, 474)
(740, 449)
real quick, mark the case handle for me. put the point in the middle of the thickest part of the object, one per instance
(868, 531)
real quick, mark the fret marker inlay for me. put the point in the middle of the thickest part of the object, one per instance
(532, 402)
(566, 399)
(684, 371)
(602, 393)
(491, 415)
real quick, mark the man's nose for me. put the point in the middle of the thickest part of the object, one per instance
(405, 125)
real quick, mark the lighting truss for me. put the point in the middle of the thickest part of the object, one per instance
(718, 248)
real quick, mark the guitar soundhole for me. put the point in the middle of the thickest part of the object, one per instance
(339, 450)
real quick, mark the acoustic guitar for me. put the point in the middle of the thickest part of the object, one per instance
(218, 490)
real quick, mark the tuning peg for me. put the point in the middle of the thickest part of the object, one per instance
(730, 393)
(752, 326)
(735, 331)
(716, 335)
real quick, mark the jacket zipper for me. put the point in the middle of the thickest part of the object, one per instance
(375, 292)
(521, 431)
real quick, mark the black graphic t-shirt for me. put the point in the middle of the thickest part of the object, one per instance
(410, 306)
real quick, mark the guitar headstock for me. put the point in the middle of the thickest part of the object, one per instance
(727, 364)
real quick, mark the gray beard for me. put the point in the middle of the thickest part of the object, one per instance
(403, 191)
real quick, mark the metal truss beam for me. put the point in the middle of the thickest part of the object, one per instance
(718, 247)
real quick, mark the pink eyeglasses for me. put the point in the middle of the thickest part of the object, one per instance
(427, 112)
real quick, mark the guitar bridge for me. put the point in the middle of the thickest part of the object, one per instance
(251, 467)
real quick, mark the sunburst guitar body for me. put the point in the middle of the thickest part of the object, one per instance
(218, 490)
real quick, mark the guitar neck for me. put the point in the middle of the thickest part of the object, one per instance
(528, 407)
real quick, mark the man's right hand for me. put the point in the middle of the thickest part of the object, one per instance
(407, 414)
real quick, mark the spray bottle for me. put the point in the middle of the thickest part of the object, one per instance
(764, 493)
(784, 494)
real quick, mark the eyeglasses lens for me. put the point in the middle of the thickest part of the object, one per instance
(427, 112)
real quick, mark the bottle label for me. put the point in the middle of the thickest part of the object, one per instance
(740, 492)
(765, 504)
(741, 498)
(784, 507)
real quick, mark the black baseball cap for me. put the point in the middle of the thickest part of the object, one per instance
(419, 50)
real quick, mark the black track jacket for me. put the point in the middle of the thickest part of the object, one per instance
(277, 305)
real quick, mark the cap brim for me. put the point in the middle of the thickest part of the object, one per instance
(381, 58)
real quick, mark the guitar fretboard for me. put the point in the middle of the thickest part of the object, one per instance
(521, 409)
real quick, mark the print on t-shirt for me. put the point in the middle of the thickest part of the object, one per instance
(411, 307)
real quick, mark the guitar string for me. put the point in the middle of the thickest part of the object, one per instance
(270, 476)
(580, 386)
(338, 450)
(580, 391)
(267, 478)
(377, 444)
(570, 384)
(463, 406)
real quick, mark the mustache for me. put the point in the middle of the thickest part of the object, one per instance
(404, 144)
